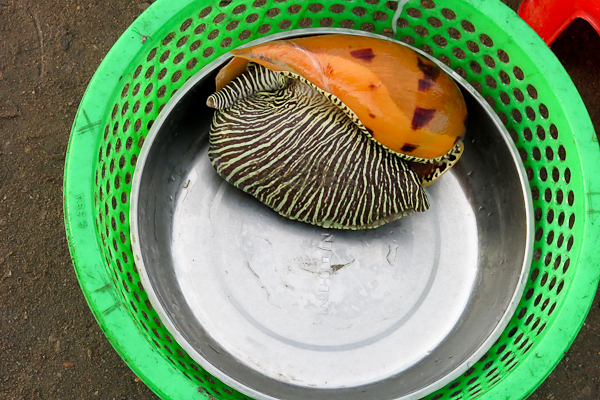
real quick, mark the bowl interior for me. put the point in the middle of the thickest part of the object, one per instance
(280, 309)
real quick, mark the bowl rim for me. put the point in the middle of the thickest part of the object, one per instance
(208, 69)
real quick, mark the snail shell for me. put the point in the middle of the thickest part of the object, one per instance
(405, 101)
(295, 148)
(337, 131)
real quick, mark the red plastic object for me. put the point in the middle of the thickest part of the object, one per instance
(550, 17)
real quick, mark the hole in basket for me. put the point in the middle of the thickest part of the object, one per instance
(537, 155)
(380, 16)
(137, 72)
(530, 113)
(421, 30)
(518, 95)
(539, 233)
(264, 28)
(168, 38)
(550, 238)
(461, 72)
(518, 72)
(560, 241)
(440, 41)
(570, 243)
(295, 9)
(427, 49)
(550, 216)
(149, 72)
(544, 279)
(527, 134)
(566, 265)
(548, 195)
(553, 131)
(182, 41)
(199, 29)
(388, 32)
(486, 40)
(148, 89)
(544, 111)
(412, 12)
(178, 58)
(208, 52)
(232, 25)
(472, 46)
(433, 21)
(517, 116)
(448, 14)
(561, 218)
(148, 107)
(489, 61)
(477, 87)
(408, 40)
(445, 59)
(326, 22)
(528, 169)
(305, 22)
(191, 63)
(339, 8)
(273, 12)
(567, 174)
(454, 33)
(467, 26)
(543, 174)
(213, 34)
(196, 45)
(504, 77)
(503, 56)
(285, 24)
(458, 53)
(537, 214)
(125, 90)
(541, 133)
(401, 23)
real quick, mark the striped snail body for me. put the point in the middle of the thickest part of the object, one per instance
(339, 131)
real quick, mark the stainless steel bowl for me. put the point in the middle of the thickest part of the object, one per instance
(279, 309)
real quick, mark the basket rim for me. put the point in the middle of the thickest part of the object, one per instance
(149, 364)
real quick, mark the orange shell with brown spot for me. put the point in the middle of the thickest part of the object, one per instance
(407, 102)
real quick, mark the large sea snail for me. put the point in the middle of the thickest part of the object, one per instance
(339, 131)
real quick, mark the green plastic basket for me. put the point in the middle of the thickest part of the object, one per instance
(482, 40)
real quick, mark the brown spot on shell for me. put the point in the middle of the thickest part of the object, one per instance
(425, 85)
(422, 116)
(409, 148)
(371, 115)
(363, 54)
(431, 71)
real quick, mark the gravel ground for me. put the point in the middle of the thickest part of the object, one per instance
(50, 345)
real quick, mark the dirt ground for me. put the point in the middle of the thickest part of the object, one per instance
(50, 345)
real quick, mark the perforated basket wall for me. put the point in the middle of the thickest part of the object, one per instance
(483, 41)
